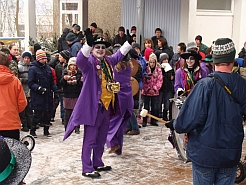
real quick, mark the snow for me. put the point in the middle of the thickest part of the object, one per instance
(147, 158)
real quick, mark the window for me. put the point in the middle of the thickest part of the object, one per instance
(69, 6)
(214, 4)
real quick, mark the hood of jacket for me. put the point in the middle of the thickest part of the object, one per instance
(38, 64)
(23, 63)
(6, 75)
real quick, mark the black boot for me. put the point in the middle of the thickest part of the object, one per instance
(144, 124)
(33, 131)
(153, 121)
(77, 131)
(165, 115)
(46, 131)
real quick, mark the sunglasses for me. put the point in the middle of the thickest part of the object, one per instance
(100, 47)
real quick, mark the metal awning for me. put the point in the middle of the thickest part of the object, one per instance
(11, 40)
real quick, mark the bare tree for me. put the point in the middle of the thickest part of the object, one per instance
(17, 18)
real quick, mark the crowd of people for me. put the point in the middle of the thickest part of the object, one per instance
(94, 71)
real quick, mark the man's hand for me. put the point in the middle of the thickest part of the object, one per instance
(180, 93)
(42, 90)
(170, 124)
(89, 37)
(151, 92)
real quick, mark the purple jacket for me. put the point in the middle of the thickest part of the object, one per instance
(85, 110)
(125, 99)
(204, 67)
(180, 77)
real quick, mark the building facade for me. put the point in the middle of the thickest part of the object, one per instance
(180, 20)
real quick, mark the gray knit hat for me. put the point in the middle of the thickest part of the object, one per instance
(191, 45)
(223, 51)
(71, 37)
(163, 56)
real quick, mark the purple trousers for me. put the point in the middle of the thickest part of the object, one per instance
(94, 141)
(117, 131)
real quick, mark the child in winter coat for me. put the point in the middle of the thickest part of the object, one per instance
(151, 86)
(166, 91)
(23, 67)
(72, 84)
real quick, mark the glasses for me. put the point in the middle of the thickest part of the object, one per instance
(100, 47)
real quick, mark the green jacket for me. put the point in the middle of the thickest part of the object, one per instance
(203, 48)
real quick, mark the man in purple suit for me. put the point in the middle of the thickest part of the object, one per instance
(97, 100)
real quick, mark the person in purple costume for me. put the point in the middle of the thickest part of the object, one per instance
(95, 102)
(117, 126)
(191, 72)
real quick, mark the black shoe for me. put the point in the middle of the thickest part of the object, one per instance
(154, 124)
(94, 174)
(77, 132)
(52, 120)
(33, 133)
(47, 134)
(102, 168)
(118, 152)
(25, 129)
(45, 124)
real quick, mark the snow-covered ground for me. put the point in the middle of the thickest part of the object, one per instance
(147, 158)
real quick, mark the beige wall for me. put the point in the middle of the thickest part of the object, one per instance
(106, 13)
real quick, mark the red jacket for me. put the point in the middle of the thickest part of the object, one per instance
(53, 74)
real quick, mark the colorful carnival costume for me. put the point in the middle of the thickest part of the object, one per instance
(118, 123)
(96, 102)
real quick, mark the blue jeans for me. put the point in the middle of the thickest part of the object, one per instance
(210, 176)
(153, 102)
(62, 109)
(164, 97)
(141, 103)
(132, 123)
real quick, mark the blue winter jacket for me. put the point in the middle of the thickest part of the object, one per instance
(74, 48)
(41, 75)
(213, 121)
(143, 65)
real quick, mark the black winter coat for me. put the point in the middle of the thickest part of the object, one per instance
(69, 90)
(62, 43)
(168, 51)
(167, 84)
(53, 62)
(119, 40)
(242, 54)
(41, 75)
(138, 77)
(59, 69)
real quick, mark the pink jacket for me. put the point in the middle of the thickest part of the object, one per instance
(154, 83)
